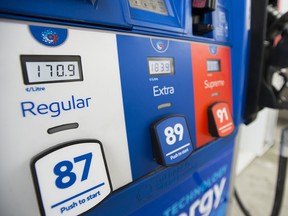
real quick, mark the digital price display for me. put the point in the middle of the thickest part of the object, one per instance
(156, 6)
(213, 65)
(161, 66)
(51, 68)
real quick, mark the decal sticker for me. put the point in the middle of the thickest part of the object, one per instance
(213, 49)
(172, 139)
(72, 178)
(220, 120)
(160, 45)
(49, 36)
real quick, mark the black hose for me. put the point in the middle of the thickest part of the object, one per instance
(281, 177)
(282, 168)
(242, 207)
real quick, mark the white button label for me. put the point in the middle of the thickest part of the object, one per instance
(72, 178)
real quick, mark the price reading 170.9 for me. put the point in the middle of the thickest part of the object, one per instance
(52, 71)
(58, 70)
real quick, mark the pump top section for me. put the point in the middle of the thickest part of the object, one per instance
(184, 19)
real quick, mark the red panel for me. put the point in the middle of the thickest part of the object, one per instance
(209, 87)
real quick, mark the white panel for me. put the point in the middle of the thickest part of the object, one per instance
(22, 138)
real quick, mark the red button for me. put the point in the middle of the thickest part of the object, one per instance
(220, 120)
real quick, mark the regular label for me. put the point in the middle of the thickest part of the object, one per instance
(71, 179)
(172, 138)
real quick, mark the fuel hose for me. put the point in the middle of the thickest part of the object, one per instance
(281, 178)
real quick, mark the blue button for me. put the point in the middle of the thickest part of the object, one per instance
(172, 139)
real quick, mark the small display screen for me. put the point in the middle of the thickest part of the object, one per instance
(156, 6)
(213, 66)
(161, 66)
(51, 68)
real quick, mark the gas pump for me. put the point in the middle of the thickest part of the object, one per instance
(126, 107)
(267, 84)
(275, 58)
(267, 60)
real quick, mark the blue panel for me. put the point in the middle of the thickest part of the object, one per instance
(174, 190)
(240, 52)
(142, 94)
(205, 192)
(103, 12)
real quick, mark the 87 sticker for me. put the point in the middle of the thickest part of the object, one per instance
(220, 120)
(72, 178)
(171, 140)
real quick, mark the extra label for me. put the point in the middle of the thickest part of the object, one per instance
(220, 120)
(71, 179)
(171, 139)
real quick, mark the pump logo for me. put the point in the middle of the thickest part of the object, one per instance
(160, 45)
(213, 49)
(49, 36)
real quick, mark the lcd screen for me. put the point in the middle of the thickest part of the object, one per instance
(50, 69)
(155, 6)
(213, 65)
(161, 66)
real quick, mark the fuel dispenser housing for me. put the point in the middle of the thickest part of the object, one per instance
(126, 107)
(268, 51)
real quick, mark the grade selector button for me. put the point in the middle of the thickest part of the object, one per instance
(72, 178)
(171, 140)
(220, 120)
